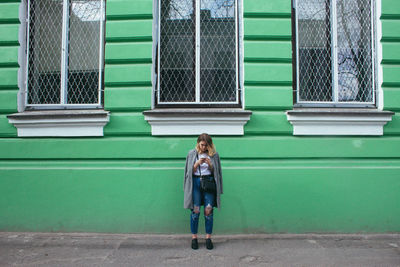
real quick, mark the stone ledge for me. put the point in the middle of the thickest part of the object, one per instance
(59, 123)
(217, 121)
(331, 121)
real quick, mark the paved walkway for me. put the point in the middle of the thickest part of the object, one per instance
(88, 249)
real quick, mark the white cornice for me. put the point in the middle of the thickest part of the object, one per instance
(197, 121)
(338, 121)
(60, 123)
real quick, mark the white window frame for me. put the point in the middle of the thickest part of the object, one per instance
(239, 58)
(188, 120)
(78, 120)
(64, 63)
(335, 82)
(338, 120)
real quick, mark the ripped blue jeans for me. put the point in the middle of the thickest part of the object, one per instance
(208, 200)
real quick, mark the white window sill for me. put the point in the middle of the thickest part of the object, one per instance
(214, 121)
(59, 123)
(331, 121)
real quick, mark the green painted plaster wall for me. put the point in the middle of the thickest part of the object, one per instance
(9, 25)
(129, 181)
(146, 196)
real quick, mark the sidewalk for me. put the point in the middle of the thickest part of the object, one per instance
(88, 249)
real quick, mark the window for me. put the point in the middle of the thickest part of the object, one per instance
(197, 53)
(61, 90)
(197, 68)
(65, 53)
(335, 55)
(335, 67)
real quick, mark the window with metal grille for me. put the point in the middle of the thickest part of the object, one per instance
(65, 53)
(335, 53)
(197, 52)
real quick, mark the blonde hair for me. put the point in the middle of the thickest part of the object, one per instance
(210, 145)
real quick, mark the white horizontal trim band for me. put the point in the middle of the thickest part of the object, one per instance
(60, 123)
(195, 122)
(338, 121)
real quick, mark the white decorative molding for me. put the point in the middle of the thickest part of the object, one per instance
(331, 121)
(60, 123)
(196, 121)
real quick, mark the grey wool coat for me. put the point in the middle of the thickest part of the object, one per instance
(188, 180)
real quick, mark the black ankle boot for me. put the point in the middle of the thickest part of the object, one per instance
(195, 244)
(209, 244)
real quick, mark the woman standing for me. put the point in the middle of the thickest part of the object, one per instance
(202, 186)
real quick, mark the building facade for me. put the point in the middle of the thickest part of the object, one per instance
(100, 102)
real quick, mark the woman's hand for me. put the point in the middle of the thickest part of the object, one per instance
(208, 161)
(201, 161)
(197, 164)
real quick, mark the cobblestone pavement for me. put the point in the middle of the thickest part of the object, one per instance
(92, 249)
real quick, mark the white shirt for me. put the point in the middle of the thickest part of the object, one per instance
(203, 167)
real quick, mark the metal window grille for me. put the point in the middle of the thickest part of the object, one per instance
(198, 52)
(335, 51)
(65, 53)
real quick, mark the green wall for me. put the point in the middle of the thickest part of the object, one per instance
(9, 25)
(129, 181)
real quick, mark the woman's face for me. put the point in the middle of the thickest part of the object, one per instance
(203, 146)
